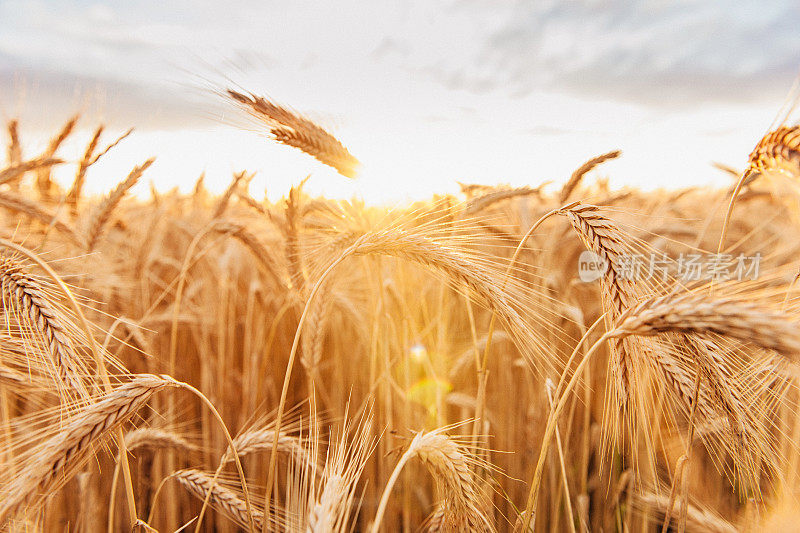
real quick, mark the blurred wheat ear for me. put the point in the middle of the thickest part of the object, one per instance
(289, 128)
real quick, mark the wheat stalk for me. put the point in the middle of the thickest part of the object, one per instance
(252, 203)
(257, 440)
(17, 169)
(77, 184)
(450, 464)
(221, 498)
(600, 235)
(13, 202)
(698, 313)
(777, 150)
(157, 438)
(291, 129)
(329, 507)
(224, 200)
(265, 258)
(102, 213)
(479, 203)
(89, 159)
(292, 246)
(43, 181)
(694, 316)
(698, 519)
(110, 146)
(488, 287)
(27, 297)
(14, 152)
(313, 342)
(576, 177)
(50, 464)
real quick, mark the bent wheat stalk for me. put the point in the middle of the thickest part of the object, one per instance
(25, 296)
(600, 235)
(220, 498)
(683, 313)
(778, 150)
(449, 463)
(576, 177)
(248, 239)
(13, 202)
(261, 439)
(99, 357)
(478, 204)
(49, 465)
(697, 313)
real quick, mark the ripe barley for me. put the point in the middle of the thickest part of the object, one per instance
(157, 439)
(698, 313)
(292, 129)
(576, 177)
(102, 213)
(24, 294)
(462, 507)
(224, 500)
(54, 460)
(777, 150)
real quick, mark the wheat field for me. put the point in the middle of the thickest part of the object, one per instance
(569, 358)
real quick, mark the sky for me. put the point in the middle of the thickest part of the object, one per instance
(424, 93)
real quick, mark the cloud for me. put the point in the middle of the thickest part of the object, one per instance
(656, 53)
(47, 94)
(659, 53)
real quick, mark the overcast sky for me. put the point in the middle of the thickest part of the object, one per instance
(424, 93)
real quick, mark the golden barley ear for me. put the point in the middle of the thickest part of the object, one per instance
(77, 184)
(728, 391)
(698, 313)
(14, 151)
(479, 203)
(699, 518)
(330, 505)
(292, 129)
(225, 199)
(51, 463)
(576, 177)
(158, 438)
(36, 211)
(44, 182)
(292, 228)
(103, 212)
(463, 505)
(778, 150)
(13, 173)
(266, 260)
(221, 498)
(26, 296)
(602, 236)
